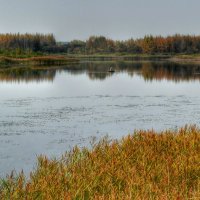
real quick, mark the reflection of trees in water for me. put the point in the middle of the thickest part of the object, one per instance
(26, 74)
(148, 70)
(170, 71)
(99, 71)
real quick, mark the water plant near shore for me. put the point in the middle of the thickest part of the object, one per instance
(144, 165)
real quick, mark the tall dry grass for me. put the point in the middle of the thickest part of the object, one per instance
(145, 165)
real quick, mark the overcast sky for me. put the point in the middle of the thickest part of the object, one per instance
(117, 19)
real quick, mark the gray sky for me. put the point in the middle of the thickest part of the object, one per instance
(117, 19)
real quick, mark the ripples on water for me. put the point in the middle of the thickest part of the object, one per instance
(48, 111)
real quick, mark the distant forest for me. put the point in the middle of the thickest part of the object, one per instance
(28, 42)
(99, 44)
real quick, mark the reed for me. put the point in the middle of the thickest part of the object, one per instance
(144, 165)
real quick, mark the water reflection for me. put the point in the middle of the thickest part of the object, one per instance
(98, 70)
(26, 75)
(50, 118)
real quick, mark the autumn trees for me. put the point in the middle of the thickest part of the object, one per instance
(147, 45)
(99, 44)
(33, 42)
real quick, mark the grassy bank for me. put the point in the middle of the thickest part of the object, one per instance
(61, 59)
(145, 165)
(116, 56)
(179, 58)
(191, 58)
(123, 56)
(38, 60)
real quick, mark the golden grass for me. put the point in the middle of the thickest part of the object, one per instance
(145, 165)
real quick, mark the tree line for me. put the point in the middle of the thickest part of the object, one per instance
(147, 45)
(99, 44)
(26, 42)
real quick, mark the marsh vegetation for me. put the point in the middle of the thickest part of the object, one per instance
(58, 94)
(144, 165)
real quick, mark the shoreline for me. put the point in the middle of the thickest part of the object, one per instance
(38, 60)
(63, 59)
(185, 59)
(179, 58)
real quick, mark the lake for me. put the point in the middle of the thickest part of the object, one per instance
(50, 110)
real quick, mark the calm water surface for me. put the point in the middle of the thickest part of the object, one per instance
(48, 111)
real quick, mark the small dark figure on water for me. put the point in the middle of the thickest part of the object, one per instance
(111, 70)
